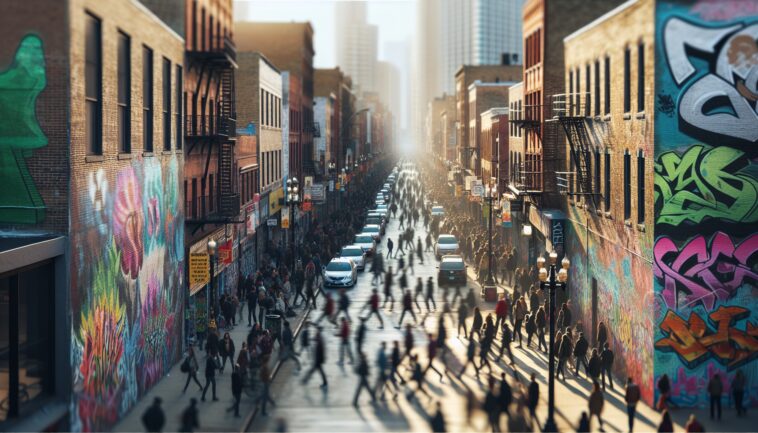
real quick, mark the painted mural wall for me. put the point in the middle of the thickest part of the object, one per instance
(706, 196)
(127, 240)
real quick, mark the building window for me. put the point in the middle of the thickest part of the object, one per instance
(587, 98)
(211, 194)
(640, 187)
(607, 82)
(571, 175)
(570, 96)
(641, 77)
(179, 106)
(124, 93)
(147, 99)
(627, 185)
(166, 104)
(597, 88)
(27, 341)
(607, 189)
(596, 188)
(627, 80)
(93, 86)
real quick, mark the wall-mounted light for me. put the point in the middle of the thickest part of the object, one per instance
(527, 230)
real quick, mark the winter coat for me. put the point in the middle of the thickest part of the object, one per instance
(596, 402)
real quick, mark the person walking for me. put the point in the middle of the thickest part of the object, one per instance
(476, 326)
(328, 311)
(505, 395)
(319, 357)
(519, 315)
(470, 355)
(430, 294)
(400, 248)
(541, 321)
(344, 304)
(252, 301)
(666, 425)
(531, 327)
(492, 406)
(596, 403)
(382, 365)
(388, 296)
(595, 366)
(715, 389)
(533, 396)
(738, 392)
(431, 354)
(188, 420)
(407, 307)
(363, 373)
(437, 422)
(265, 397)
(211, 365)
(417, 375)
(506, 337)
(287, 347)
(462, 316)
(360, 335)
(154, 419)
(501, 310)
(236, 390)
(606, 358)
(394, 373)
(632, 396)
(190, 366)
(580, 354)
(344, 335)
(693, 425)
(226, 350)
(602, 335)
(419, 291)
(584, 423)
(390, 245)
(373, 304)
(564, 353)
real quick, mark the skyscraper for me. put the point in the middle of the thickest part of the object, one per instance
(496, 31)
(357, 45)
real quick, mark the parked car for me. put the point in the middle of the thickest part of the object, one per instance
(374, 230)
(446, 244)
(375, 214)
(438, 211)
(384, 210)
(340, 272)
(356, 254)
(386, 194)
(366, 242)
(451, 271)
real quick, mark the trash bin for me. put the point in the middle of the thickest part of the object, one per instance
(274, 325)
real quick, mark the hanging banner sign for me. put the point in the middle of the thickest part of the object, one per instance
(505, 213)
(285, 217)
(225, 253)
(199, 271)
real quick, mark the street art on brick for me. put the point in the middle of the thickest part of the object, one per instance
(128, 273)
(706, 198)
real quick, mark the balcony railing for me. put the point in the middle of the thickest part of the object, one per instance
(209, 126)
(229, 204)
(219, 48)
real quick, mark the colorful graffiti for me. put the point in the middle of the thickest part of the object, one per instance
(126, 334)
(706, 195)
(705, 183)
(20, 133)
(704, 271)
(695, 342)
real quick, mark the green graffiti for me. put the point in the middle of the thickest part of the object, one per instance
(705, 182)
(20, 202)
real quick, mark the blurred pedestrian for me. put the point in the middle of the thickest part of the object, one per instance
(362, 372)
(738, 392)
(190, 366)
(189, 421)
(606, 358)
(153, 419)
(715, 389)
(632, 396)
(211, 365)
(534, 397)
(236, 390)
(344, 335)
(492, 406)
(666, 425)
(470, 355)
(407, 307)
(265, 396)
(584, 423)
(462, 315)
(596, 403)
(319, 357)
(693, 425)
(437, 422)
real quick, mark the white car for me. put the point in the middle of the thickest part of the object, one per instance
(366, 242)
(340, 272)
(383, 210)
(379, 199)
(438, 211)
(446, 244)
(356, 254)
(374, 230)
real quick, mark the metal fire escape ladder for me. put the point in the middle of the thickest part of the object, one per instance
(227, 111)
(571, 118)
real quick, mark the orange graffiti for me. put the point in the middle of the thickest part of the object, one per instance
(694, 341)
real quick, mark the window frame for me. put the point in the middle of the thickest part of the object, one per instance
(147, 99)
(607, 83)
(167, 92)
(627, 185)
(641, 77)
(607, 181)
(124, 101)
(93, 102)
(627, 80)
(640, 187)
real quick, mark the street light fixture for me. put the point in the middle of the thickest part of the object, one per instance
(550, 280)
(331, 168)
(292, 200)
(490, 289)
(212, 248)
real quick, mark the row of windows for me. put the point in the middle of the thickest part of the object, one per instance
(271, 109)
(211, 33)
(533, 47)
(93, 97)
(271, 167)
(248, 185)
(199, 202)
(592, 98)
(515, 114)
(605, 159)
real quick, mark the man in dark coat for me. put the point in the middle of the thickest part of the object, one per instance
(236, 390)
(153, 419)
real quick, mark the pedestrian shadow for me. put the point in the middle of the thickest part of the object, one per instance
(392, 420)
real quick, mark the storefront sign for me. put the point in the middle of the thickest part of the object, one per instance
(285, 217)
(271, 222)
(307, 206)
(477, 189)
(252, 218)
(274, 197)
(199, 271)
(225, 253)
(505, 214)
(315, 193)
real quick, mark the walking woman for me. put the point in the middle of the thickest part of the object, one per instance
(226, 350)
(190, 367)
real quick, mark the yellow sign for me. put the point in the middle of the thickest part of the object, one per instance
(337, 186)
(273, 201)
(199, 271)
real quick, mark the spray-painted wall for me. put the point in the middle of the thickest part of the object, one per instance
(706, 196)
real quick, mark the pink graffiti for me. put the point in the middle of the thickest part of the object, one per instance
(720, 10)
(128, 222)
(704, 274)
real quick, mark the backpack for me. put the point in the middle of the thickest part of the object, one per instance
(185, 367)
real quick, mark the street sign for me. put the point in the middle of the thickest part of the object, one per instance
(315, 192)
(271, 222)
(477, 189)
(199, 269)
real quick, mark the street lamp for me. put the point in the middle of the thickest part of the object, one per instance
(551, 279)
(490, 289)
(292, 200)
(212, 255)
(331, 168)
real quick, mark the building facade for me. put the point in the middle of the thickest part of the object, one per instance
(494, 145)
(482, 97)
(335, 82)
(496, 32)
(357, 45)
(93, 160)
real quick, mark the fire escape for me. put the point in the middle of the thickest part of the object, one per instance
(570, 113)
(215, 65)
(527, 176)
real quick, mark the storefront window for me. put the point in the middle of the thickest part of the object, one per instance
(26, 338)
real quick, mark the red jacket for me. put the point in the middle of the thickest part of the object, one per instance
(501, 309)
(345, 331)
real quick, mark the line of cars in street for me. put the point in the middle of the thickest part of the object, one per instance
(342, 271)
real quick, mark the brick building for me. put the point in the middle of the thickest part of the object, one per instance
(435, 125)
(464, 77)
(494, 145)
(93, 222)
(334, 82)
(482, 97)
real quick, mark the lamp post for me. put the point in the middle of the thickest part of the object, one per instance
(331, 168)
(551, 279)
(212, 255)
(292, 200)
(490, 289)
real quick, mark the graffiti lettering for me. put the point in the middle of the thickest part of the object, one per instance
(705, 274)
(720, 103)
(695, 342)
(705, 183)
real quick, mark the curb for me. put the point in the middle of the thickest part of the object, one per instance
(251, 417)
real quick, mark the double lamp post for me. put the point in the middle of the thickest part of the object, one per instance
(292, 200)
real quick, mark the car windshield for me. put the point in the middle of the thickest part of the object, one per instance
(437, 209)
(447, 240)
(352, 252)
(382, 206)
(369, 229)
(338, 266)
(451, 265)
(363, 239)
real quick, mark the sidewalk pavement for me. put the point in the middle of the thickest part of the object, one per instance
(212, 415)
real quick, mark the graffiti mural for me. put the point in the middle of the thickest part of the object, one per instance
(706, 196)
(20, 133)
(128, 241)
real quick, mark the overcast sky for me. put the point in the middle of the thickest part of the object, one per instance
(395, 19)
